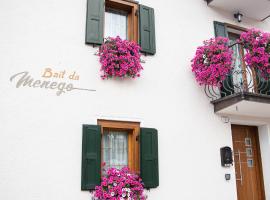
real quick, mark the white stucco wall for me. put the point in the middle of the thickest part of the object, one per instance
(40, 133)
(264, 135)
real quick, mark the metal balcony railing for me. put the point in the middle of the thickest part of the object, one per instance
(242, 79)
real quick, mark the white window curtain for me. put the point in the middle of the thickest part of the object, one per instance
(115, 24)
(115, 149)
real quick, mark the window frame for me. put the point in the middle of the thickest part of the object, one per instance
(132, 18)
(133, 129)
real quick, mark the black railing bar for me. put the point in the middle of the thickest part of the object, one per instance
(215, 93)
(234, 44)
(206, 91)
(212, 91)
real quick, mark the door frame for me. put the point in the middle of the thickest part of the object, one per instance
(260, 166)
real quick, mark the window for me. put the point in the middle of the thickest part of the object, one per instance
(115, 149)
(121, 19)
(119, 144)
(249, 152)
(125, 18)
(115, 23)
(250, 162)
(248, 142)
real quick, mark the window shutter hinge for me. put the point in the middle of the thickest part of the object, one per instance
(137, 12)
(137, 138)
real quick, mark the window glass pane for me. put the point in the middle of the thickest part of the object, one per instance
(248, 141)
(115, 23)
(250, 162)
(115, 149)
(249, 152)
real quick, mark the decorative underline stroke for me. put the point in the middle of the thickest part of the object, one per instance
(92, 90)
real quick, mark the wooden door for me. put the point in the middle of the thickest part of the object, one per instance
(247, 163)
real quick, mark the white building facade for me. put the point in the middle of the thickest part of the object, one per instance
(41, 129)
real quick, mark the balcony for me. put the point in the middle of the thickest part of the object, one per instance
(255, 9)
(243, 93)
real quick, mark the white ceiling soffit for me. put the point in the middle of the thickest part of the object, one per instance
(247, 108)
(255, 9)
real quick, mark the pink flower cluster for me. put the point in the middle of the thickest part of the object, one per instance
(257, 45)
(212, 62)
(120, 185)
(120, 58)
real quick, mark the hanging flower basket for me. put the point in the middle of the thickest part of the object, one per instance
(257, 45)
(212, 62)
(120, 58)
(120, 185)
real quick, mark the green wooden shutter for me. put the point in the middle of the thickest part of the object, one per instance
(147, 30)
(149, 157)
(91, 158)
(227, 88)
(94, 22)
(220, 29)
